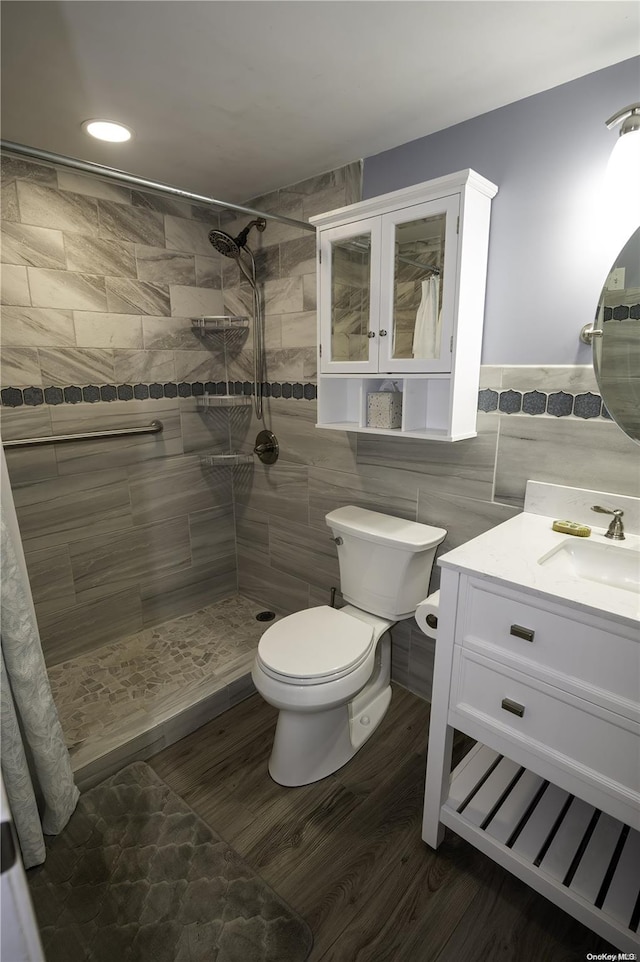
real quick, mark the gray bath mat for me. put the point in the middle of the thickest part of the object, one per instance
(137, 876)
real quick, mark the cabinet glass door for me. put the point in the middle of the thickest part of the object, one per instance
(349, 303)
(419, 254)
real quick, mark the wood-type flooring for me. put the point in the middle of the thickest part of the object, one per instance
(347, 854)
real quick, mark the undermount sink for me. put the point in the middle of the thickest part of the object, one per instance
(606, 564)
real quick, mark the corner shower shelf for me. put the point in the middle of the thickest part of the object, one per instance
(218, 322)
(223, 401)
(230, 460)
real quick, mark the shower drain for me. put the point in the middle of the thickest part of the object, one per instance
(265, 616)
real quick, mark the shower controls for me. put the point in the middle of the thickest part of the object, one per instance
(267, 447)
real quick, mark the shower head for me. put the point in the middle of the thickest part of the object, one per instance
(231, 246)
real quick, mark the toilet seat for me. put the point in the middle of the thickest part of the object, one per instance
(314, 646)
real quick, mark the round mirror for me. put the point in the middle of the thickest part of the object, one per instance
(616, 352)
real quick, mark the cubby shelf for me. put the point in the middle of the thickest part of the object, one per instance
(426, 406)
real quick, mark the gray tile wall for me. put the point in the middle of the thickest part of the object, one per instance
(285, 557)
(81, 506)
(98, 286)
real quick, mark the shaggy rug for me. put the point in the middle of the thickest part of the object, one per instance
(137, 876)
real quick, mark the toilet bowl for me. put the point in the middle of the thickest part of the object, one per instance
(328, 670)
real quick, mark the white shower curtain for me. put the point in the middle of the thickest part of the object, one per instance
(426, 334)
(36, 767)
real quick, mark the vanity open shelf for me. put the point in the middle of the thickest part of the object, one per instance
(579, 857)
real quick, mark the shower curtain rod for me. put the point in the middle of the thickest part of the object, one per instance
(111, 173)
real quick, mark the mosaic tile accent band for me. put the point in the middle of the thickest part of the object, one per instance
(559, 404)
(92, 393)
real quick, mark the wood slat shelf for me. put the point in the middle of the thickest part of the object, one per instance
(582, 859)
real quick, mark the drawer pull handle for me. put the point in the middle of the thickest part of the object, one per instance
(513, 707)
(525, 633)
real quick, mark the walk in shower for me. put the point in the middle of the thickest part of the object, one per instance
(130, 542)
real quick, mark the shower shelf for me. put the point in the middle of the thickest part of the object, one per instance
(219, 322)
(212, 460)
(223, 400)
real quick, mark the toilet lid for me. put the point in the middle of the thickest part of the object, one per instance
(315, 643)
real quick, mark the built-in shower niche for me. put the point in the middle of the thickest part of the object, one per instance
(426, 405)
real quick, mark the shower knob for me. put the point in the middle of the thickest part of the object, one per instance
(266, 447)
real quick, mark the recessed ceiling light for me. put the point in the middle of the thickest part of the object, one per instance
(107, 130)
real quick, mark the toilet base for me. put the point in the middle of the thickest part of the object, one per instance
(309, 746)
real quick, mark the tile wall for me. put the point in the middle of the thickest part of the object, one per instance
(151, 500)
(542, 423)
(98, 286)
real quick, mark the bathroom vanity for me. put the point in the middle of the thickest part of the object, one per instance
(538, 659)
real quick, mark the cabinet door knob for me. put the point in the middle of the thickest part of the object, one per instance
(513, 707)
(371, 334)
(527, 634)
(382, 333)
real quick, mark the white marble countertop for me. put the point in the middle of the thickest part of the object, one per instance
(510, 552)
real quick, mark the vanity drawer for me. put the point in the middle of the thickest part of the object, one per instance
(568, 731)
(550, 641)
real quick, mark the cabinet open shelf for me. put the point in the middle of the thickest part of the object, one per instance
(426, 406)
(580, 858)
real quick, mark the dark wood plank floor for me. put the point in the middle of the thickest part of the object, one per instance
(346, 853)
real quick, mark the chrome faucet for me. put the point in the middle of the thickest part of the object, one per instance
(616, 528)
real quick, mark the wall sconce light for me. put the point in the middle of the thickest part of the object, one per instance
(626, 153)
(623, 171)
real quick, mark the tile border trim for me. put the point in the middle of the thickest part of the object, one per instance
(53, 395)
(559, 404)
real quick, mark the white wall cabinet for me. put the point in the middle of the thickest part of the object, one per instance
(551, 790)
(401, 284)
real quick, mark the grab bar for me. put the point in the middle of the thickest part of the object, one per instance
(154, 428)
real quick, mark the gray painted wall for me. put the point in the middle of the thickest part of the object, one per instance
(551, 246)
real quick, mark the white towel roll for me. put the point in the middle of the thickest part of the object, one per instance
(429, 608)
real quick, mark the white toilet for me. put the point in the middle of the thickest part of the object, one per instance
(328, 670)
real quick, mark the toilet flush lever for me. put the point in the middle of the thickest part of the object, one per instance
(337, 540)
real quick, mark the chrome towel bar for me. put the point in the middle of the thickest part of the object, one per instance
(154, 428)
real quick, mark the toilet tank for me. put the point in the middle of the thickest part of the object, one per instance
(385, 562)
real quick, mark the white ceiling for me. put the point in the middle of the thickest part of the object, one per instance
(233, 99)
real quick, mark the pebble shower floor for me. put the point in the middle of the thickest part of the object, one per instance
(108, 697)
